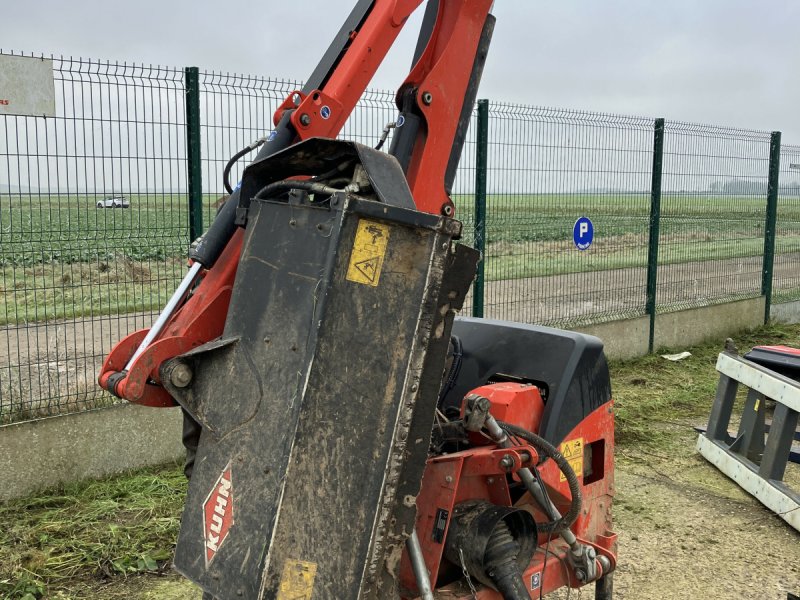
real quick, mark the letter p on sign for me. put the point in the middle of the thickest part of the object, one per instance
(583, 233)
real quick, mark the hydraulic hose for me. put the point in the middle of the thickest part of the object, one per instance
(226, 173)
(547, 449)
(296, 184)
(455, 369)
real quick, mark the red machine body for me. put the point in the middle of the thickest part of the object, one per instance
(477, 473)
(437, 95)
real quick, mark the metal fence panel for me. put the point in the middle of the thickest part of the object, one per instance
(713, 210)
(547, 168)
(234, 111)
(77, 277)
(786, 278)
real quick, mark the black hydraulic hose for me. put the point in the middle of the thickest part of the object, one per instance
(226, 173)
(455, 369)
(545, 448)
(296, 184)
(216, 238)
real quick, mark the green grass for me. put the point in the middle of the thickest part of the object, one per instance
(548, 217)
(108, 287)
(69, 229)
(98, 530)
(60, 257)
(651, 391)
(556, 258)
(103, 533)
(531, 235)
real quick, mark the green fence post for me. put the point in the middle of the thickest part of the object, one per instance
(481, 161)
(772, 217)
(195, 179)
(655, 225)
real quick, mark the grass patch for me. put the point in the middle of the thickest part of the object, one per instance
(50, 291)
(652, 394)
(97, 531)
(517, 260)
(41, 229)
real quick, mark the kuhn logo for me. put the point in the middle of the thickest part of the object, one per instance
(218, 514)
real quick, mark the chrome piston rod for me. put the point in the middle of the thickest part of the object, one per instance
(166, 314)
(418, 566)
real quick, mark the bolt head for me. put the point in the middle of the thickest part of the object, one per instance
(305, 119)
(181, 375)
(427, 98)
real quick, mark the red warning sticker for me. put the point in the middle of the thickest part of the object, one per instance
(218, 514)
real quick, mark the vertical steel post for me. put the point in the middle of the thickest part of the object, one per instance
(655, 224)
(481, 162)
(771, 219)
(194, 174)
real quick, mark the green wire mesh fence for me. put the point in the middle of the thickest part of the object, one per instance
(92, 228)
(713, 211)
(235, 110)
(786, 279)
(546, 169)
(78, 276)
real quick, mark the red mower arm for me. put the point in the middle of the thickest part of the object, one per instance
(435, 104)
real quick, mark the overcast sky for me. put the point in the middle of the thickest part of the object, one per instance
(732, 62)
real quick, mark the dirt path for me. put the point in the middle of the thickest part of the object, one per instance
(622, 292)
(50, 367)
(688, 532)
(45, 367)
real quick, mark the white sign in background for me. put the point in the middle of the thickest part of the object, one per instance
(27, 87)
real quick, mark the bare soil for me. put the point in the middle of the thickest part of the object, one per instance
(688, 532)
(621, 293)
(50, 367)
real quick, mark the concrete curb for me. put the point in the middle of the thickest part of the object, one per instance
(41, 454)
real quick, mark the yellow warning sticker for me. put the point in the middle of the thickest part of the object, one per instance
(297, 580)
(573, 452)
(757, 404)
(369, 250)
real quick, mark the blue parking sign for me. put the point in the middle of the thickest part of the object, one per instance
(583, 233)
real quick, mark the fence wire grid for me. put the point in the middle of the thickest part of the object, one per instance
(713, 214)
(546, 169)
(77, 276)
(786, 280)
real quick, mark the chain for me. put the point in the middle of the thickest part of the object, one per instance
(466, 574)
